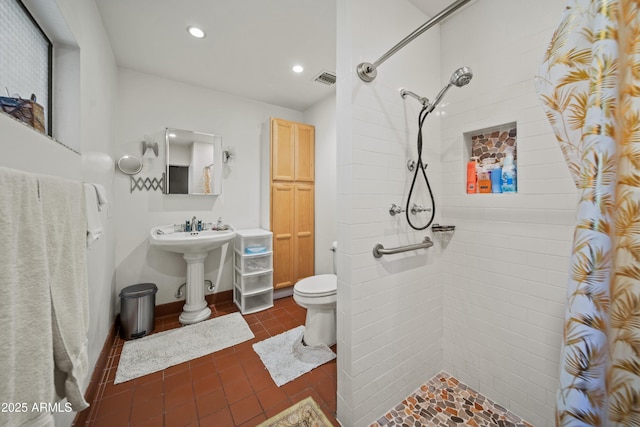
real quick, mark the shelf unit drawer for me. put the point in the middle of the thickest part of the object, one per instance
(252, 241)
(253, 303)
(248, 264)
(254, 282)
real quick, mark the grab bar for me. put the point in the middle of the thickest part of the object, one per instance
(379, 250)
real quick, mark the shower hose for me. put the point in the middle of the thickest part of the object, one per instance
(420, 167)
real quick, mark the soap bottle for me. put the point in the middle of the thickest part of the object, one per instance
(496, 179)
(472, 177)
(509, 179)
(484, 182)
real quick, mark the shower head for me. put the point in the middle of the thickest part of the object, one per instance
(460, 77)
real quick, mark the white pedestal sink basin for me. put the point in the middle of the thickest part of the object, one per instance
(195, 247)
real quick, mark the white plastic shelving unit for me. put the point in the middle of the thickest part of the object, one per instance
(253, 275)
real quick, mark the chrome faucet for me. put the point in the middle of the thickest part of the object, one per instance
(194, 226)
(416, 209)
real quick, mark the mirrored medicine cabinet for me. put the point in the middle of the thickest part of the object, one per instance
(193, 163)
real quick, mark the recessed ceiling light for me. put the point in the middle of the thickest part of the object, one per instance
(297, 69)
(196, 32)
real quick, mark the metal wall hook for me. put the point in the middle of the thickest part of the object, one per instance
(227, 154)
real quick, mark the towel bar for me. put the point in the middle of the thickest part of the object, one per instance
(379, 250)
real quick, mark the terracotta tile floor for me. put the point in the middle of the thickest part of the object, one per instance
(230, 387)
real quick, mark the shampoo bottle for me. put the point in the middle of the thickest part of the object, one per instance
(509, 180)
(472, 177)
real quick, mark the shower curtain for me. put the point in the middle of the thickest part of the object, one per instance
(589, 84)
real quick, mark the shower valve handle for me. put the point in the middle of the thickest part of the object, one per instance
(395, 209)
(416, 209)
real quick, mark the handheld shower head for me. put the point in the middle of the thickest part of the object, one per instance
(460, 77)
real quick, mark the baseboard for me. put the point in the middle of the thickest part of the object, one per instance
(283, 292)
(92, 390)
(176, 307)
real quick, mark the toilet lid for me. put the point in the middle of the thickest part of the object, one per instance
(320, 285)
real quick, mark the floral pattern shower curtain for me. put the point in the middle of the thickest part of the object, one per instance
(589, 85)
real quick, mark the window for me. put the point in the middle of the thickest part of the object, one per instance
(25, 58)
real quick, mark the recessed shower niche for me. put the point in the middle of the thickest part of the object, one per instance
(491, 159)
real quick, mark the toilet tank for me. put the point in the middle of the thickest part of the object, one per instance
(334, 249)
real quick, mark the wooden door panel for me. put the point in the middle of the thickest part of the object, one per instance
(283, 261)
(304, 256)
(304, 152)
(282, 150)
(304, 231)
(282, 227)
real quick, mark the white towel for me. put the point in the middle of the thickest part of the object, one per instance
(26, 367)
(101, 193)
(94, 226)
(65, 222)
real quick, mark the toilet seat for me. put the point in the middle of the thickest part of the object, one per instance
(317, 286)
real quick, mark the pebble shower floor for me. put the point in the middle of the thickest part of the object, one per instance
(445, 401)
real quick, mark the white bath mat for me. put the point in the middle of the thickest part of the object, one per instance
(287, 358)
(159, 351)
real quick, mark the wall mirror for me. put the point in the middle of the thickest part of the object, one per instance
(194, 162)
(129, 165)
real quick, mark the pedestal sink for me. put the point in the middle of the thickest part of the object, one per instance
(195, 247)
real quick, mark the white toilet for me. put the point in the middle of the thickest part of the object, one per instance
(318, 294)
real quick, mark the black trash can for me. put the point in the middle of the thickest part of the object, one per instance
(137, 315)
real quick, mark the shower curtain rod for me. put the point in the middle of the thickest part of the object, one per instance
(367, 71)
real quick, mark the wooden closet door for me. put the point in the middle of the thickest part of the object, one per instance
(282, 150)
(304, 152)
(304, 231)
(282, 226)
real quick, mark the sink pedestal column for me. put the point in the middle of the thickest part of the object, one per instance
(195, 309)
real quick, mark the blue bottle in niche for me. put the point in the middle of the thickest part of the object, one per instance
(496, 180)
(509, 180)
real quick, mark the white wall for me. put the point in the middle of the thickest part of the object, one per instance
(146, 105)
(389, 309)
(506, 266)
(323, 116)
(24, 149)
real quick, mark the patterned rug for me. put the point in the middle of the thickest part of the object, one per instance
(305, 413)
(159, 351)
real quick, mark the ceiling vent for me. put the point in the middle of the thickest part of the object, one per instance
(326, 77)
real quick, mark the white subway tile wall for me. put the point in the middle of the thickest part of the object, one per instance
(487, 306)
(505, 270)
(389, 309)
